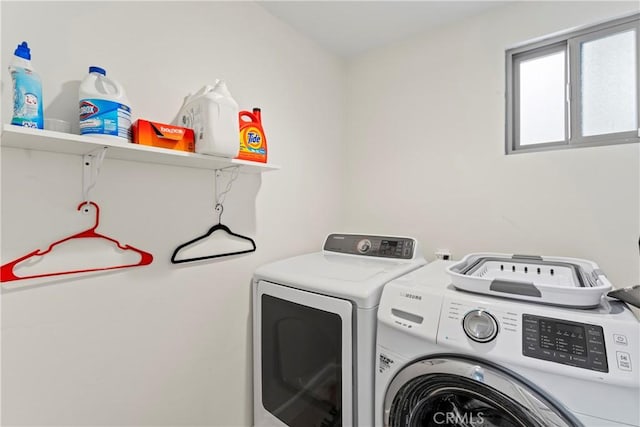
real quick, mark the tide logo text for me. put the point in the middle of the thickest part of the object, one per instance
(253, 138)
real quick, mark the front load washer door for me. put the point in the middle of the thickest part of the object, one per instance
(452, 391)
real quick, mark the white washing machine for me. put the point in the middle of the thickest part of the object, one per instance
(451, 358)
(314, 323)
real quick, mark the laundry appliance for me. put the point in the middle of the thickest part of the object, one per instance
(314, 322)
(447, 357)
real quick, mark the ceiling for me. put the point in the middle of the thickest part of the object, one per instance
(350, 28)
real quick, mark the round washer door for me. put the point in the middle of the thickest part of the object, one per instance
(454, 391)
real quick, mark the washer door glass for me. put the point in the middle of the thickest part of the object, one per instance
(462, 392)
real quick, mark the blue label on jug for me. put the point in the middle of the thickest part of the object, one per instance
(104, 117)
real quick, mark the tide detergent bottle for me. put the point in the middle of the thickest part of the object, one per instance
(253, 142)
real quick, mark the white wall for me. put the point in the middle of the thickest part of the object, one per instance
(425, 138)
(163, 344)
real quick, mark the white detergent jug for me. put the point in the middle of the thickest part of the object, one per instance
(213, 115)
(104, 107)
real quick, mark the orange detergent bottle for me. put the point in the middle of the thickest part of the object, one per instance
(253, 143)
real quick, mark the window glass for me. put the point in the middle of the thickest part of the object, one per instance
(542, 99)
(575, 89)
(608, 84)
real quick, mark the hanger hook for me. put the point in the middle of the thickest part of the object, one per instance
(219, 209)
(86, 210)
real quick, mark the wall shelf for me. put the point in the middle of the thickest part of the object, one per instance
(58, 142)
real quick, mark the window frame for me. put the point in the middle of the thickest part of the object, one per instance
(569, 42)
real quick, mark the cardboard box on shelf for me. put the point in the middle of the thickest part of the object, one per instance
(162, 135)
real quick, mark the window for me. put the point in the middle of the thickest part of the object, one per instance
(578, 89)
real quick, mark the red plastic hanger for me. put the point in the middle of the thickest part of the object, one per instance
(7, 274)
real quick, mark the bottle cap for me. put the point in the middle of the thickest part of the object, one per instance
(94, 69)
(23, 51)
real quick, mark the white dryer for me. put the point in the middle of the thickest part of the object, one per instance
(451, 358)
(314, 323)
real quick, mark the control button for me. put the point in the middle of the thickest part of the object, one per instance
(624, 360)
(620, 339)
(579, 359)
(480, 326)
(578, 350)
(364, 245)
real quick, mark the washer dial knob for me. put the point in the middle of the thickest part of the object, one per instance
(480, 326)
(364, 245)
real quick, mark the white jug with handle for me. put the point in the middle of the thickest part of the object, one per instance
(104, 106)
(212, 113)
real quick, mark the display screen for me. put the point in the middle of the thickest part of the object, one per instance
(563, 337)
(388, 247)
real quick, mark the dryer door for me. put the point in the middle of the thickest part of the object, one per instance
(304, 375)
(452, 391)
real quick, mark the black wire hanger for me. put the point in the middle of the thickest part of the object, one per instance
(219, 226)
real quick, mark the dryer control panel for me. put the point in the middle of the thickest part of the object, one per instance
(371, 246)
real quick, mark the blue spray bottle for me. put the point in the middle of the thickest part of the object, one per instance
(27, 90)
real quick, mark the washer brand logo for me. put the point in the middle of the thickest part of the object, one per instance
(413, 296)
(456, 418)
(385, 363)
(87, 109)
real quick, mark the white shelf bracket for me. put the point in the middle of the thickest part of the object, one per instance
(220, 196)
(91, 164)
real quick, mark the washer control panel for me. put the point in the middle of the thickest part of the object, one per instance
(563, 341)
(373, 246)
